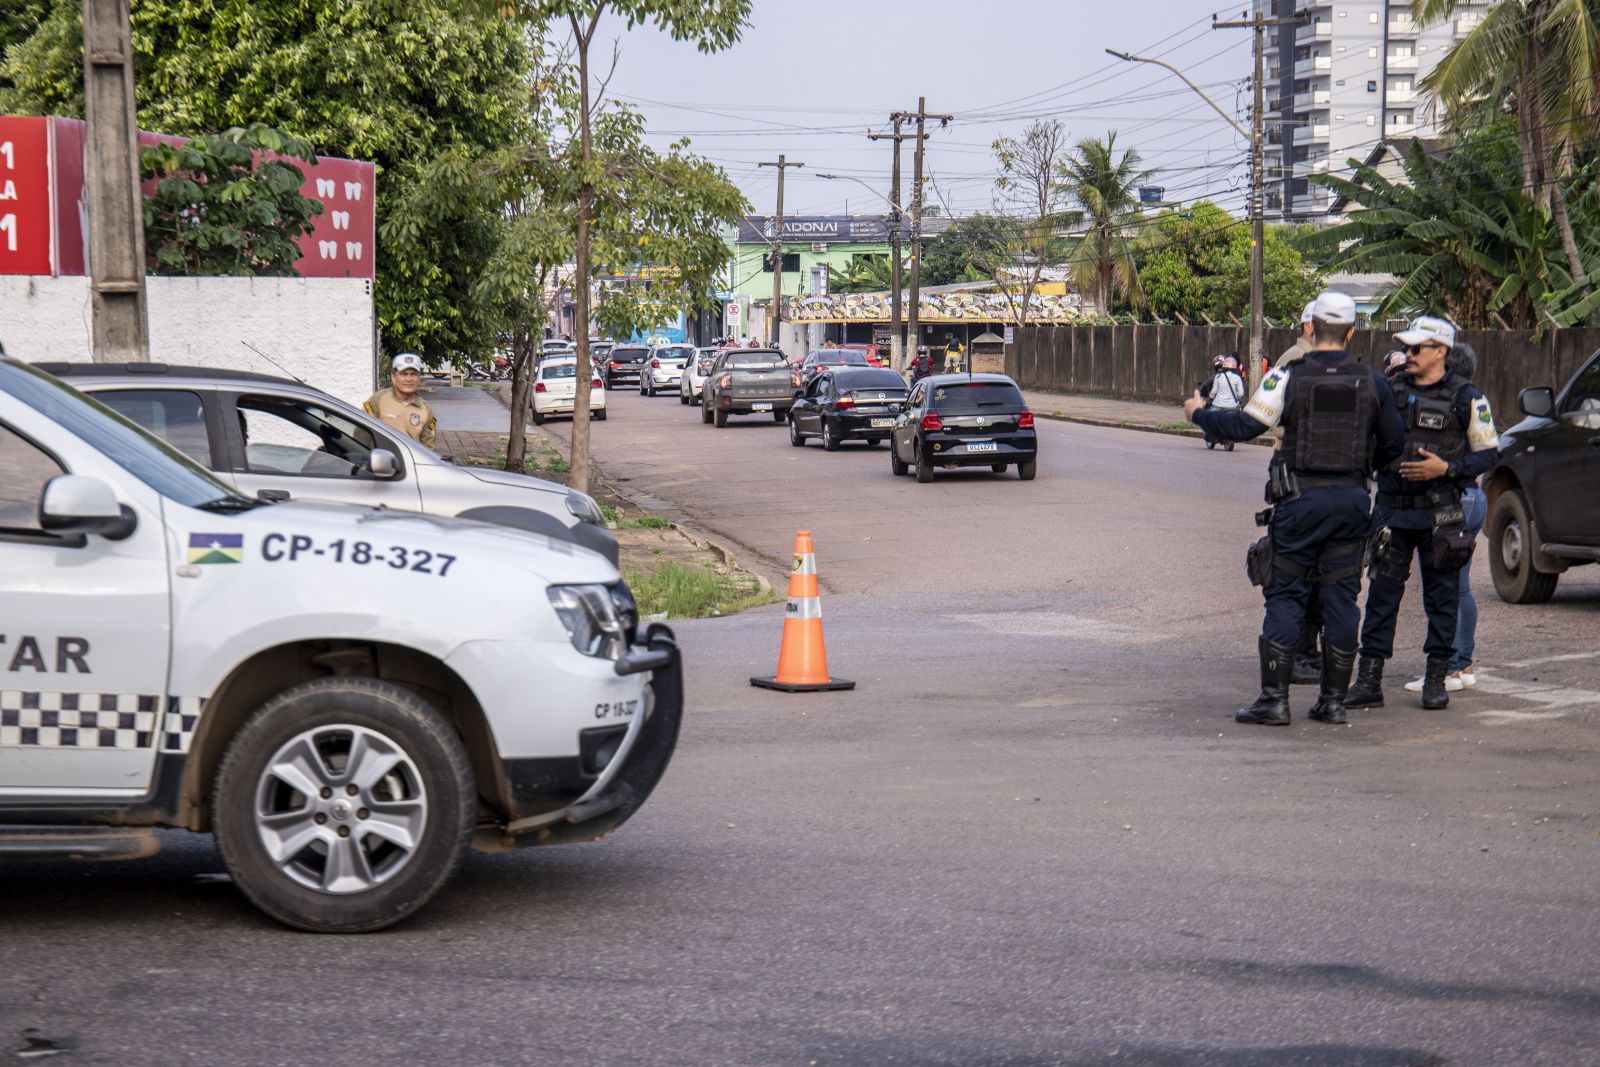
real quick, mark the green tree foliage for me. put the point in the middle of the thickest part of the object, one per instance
(1462, 237)
(1106, 187)
(1196, 264)
(947, 258)
(398, 84)
(216, 210)
(869, 272)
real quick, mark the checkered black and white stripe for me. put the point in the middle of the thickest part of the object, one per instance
(116, 721)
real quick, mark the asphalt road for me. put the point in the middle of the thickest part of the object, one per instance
(1032, 835)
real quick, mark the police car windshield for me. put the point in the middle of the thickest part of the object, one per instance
(146, 457)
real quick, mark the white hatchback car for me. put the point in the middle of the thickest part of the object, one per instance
(347, 697)
(695, 372)
(664, 369)
(555, 390)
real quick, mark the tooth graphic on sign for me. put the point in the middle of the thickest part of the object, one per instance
(352, 249)
(326, 186)
(341, 220)
(352, 190)
(329, 249)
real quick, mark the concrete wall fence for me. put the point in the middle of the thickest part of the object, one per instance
(1162, 364)
(320, 330)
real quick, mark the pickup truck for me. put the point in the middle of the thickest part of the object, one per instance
(1544, 495)
(747, 381)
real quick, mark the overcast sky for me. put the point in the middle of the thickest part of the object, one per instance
(809, 79)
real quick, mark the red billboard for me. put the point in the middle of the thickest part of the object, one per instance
(51, 217)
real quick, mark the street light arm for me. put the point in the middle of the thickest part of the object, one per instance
(847, 178)
(1162, 63)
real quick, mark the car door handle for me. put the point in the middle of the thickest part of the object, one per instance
(272, 496)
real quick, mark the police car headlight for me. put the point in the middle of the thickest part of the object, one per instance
(592, 620)
(584, 508)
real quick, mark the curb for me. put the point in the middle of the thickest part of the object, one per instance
(1264, 441)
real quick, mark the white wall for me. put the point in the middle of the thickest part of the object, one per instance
(316, 329)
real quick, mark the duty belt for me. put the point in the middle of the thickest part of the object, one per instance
(1326, 481)
(1426, 501)
(1329, 553)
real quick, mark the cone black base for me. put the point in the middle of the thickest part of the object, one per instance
(789, 687)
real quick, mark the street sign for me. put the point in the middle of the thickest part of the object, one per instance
(26, 245)
(1011, 334)
(732, 314)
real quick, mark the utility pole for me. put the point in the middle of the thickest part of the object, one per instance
(777, 252)
(1259, 23)
(913, 327)
(116, 215)
(897, 334)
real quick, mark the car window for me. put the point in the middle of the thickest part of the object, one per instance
(754, 358)
(148, 458)
(818, 387)
(882, 380)
(918, 395)
(24, 470)
(629, 355)
(176, 416)
(1584, 393)
(559, 370)
(289, 436)
(974, 398)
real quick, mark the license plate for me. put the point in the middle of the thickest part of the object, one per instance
(982, 446)
(882, 424)
(761, 405)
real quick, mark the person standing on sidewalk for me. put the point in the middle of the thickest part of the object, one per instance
(1338, 417)
(400, 405)
(1463, 360)
(1450, 443)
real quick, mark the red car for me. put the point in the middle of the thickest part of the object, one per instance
(873, 359)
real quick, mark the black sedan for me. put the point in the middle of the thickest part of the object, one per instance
(847, 404)
(964, 420)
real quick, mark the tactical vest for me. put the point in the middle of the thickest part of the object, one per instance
(1328, 425)
(1430, 418)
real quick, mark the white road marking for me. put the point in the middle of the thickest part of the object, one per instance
(1058, 624)
(1549, 701)
(1567, 658)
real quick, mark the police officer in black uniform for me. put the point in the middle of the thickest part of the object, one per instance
(1339, 419)
(1450, 442)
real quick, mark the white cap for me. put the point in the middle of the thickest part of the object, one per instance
(1305, 316)
(1428, 328)
(1334, 308)
(406, 361)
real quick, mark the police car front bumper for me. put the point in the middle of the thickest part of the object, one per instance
(625, 766)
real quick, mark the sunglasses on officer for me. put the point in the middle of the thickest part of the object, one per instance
(1417, 349)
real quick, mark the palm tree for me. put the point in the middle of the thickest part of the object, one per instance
(1107, 189)
(1542, 57)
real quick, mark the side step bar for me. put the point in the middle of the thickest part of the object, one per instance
(88, 843)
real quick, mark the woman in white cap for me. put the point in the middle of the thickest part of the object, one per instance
(1450, 443)
(1339, 419)
(400, 405)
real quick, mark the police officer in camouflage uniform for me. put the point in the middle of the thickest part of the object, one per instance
(1450, 443)
(1339, 419)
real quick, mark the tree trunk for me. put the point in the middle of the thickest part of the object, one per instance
(579, 478)
(521, 374)
(1558, 204)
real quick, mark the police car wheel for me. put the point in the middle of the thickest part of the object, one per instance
(343, 805)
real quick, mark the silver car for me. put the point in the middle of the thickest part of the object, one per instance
(664, 369)
(279, 440)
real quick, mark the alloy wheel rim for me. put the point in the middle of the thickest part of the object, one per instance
(340, 809)
(1511, 546)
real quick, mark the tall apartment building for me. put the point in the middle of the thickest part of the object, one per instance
(1340, 83)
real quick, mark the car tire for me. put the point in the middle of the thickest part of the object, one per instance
(1028, 469)
(924, 468)
(998, 468)
(705, 414)
(720, 419)
(895, 465)
(779, 416)
(1227, 446)
(538, 417)
(644, 389)
(683, 398)
(796, 438)
(598, 415)
(1511, 553)
(830, 437)
(429, 780)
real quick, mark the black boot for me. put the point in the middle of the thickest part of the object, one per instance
(1336, 668)
(1434, 696)
(1368, 690)
(1272, 705)
(1307, 660)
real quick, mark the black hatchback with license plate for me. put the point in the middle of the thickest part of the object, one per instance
(964, 420)
(624, 363)
(847, 404)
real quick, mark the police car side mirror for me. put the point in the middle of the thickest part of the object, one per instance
(383, 463)
(1539, 401)
(76, 504)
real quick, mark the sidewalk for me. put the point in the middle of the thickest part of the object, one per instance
(1121, 414)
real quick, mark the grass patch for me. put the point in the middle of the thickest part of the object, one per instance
(645, 522)
(612, 515)
(688, 592)
(1175, 426)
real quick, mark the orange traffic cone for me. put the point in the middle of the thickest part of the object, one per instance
(802, 659)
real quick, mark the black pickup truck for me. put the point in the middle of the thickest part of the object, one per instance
(1544, 496)
(747, 381)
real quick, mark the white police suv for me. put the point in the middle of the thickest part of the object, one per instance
(346, 697)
